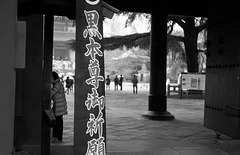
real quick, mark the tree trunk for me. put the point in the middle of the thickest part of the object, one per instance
(190, 43)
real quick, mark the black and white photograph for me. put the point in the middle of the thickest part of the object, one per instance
(118, 77)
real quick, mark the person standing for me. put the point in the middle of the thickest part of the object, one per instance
(59, 106)
(72, 85)
(108, 81)
(135, 82)
(116, 81)
(121, 82)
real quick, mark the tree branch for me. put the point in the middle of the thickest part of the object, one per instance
(170, 28)
(201, 27)
(177, 20)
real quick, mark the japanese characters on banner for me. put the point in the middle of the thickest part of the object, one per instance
(95, 123)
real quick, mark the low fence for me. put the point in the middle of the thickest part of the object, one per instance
(175, 88)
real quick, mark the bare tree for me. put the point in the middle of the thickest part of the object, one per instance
(191, 26)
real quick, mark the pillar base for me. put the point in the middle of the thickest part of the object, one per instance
(159, 115)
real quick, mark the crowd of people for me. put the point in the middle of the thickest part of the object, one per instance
(62, 86)
(118, 83)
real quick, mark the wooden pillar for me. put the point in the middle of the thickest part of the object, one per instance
(89, 114)
(47, 80)
(157, 104)
(8, 11)
(31, 87)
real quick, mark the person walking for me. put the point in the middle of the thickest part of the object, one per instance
(121, 82)
(108, 81)
(135, 82)
(69, 83)
(59, 107)
(116, 81)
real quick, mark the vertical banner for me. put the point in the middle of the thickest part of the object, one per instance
(89, 123)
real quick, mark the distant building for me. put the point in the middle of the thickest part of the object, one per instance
(63, 58)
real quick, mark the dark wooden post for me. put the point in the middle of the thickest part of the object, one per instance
(31, 90)
(47, 80)
(168, 90)
(157, 105)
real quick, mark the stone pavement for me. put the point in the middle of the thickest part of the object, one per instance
(128, 133)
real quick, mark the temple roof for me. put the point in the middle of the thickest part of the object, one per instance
(56, 7)
(177, 7)
(198, 8)
(67, 7)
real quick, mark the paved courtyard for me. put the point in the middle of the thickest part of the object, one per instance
(128, 131)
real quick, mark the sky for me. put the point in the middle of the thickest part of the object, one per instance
(116, 26)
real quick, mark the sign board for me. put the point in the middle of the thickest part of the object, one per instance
(193, 81)
(89, 119)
